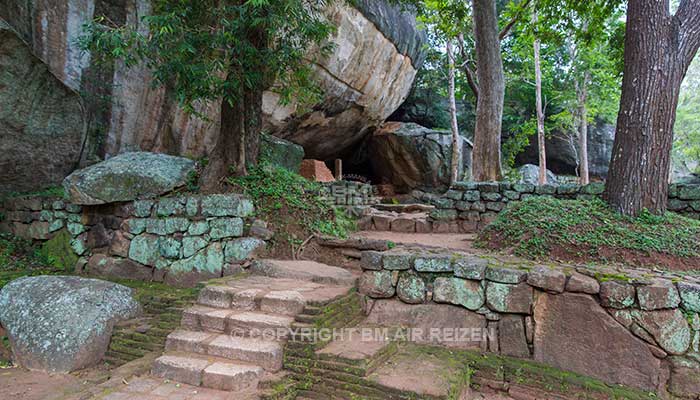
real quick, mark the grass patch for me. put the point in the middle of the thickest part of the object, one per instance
(545, 227)
(293, 205)
(19, 257)
(48, 192)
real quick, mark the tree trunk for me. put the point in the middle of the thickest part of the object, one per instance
(658, 50)
(456, 142)
(538, 104)
(582, 96)
(237, 146)
(486, 156)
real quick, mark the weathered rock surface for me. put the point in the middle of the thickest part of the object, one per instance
(530, 175)
(410, 156)
(41, 120)
(127, 177)
(562, 156)
(424, 317)
(61, 323)
(281, 152)
(366, 77)
(569, 329)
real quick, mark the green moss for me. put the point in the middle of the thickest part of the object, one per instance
(525, 372)
(19, 257)
(292, 204)
(51, 191)
(538, 225)
(58, 251)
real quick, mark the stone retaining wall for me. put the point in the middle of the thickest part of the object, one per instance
(637, 328)
(179, 240)
(468, 206)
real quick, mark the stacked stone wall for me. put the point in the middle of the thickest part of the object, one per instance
(179, 240)
(468, 207)
(637, 328)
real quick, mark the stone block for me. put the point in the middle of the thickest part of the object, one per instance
(226, 205)
(377, 284)
(546, 278)
(432, 263)
(573, 332)
(397, 261)
(508, 298)
(466, 293)
(579, 283)
(221, 228)
(690, 295)
(405, 225)
(511, 337)
(505, 275)
(659, 295)
(371, 260)
(619, 295)
(411, 289)
(470, 267)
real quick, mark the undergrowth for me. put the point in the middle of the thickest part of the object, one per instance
(536, 226)
(295, 206)
(19, 257)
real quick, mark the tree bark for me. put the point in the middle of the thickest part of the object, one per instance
(542, 180)
(486, 156)
(582, 96)
(658, 50)
(456, 142)
(238, 143)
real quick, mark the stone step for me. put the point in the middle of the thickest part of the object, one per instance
(212, 373)
(286, 302)
(265, 353)
(240, 323)
(303, 270)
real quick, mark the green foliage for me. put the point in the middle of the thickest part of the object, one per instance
(18, 257)
(536, 226)
(48, 192)
(292, 203)
(209, 49)
(686, 146)
(57, 252)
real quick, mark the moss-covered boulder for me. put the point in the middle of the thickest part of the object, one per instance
(62, 323)
(127, 177)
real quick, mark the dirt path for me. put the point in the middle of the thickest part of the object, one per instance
(20, 384)
(453, 241)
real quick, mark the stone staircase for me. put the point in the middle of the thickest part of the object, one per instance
(233, 338)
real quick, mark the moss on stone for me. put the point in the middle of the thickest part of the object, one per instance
(59, 252)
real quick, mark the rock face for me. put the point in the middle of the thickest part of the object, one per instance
(281, 152)
(530, 174)
(367, 76)
(568, 332)
(60, 323)
(410, 156)
(562, 153)
(127, 177)
(41, 120)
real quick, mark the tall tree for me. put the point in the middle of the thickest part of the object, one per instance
(659, 48)
(486, 155)
(542, 179)
(221, 50)
(456, 139)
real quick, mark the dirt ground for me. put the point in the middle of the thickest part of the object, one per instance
(454, 241)
(20, 384)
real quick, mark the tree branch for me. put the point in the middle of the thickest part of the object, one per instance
(687, 18)
(506, 30)
(471, 75)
